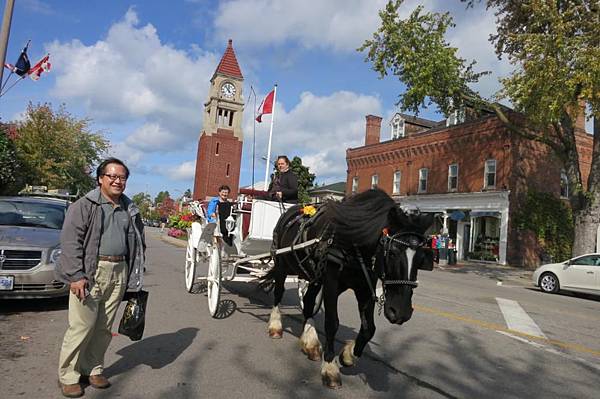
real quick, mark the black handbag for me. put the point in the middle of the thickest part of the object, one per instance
(134, 316)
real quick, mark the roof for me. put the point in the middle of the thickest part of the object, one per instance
(339, 187)
(228, 64)
(415, 120)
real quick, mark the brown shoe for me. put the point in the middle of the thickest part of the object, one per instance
(99, 381)
(71, 390)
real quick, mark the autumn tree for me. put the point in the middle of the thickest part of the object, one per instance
(554, 46)
(57, 150)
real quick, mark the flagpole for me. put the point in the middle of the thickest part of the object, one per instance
(270, 137)
(253, 136)
(5, 33)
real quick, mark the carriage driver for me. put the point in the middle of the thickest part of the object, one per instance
(284, 186)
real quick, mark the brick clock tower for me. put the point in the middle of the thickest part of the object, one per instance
(220, 146)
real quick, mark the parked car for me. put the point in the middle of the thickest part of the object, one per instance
(30, 246)
(579, 274)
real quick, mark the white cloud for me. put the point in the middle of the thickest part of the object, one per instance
(339, 24)
(130, 76)
(182, 172)
(318, 129)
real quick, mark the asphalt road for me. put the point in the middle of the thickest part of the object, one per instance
(467, 339)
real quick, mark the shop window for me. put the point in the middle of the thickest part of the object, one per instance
(396, 183)
(354, 184)
(374, 181)
(490, 174)
(423, 174)
(453, 177)
(397, 127)
(564, 184)
(486, 231)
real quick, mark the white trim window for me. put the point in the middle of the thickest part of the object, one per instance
(453, 177)
(374, 181)
(564, 184)
(354, 184)
(423, 175)
(397, 127)
(489, 180)
(396, 182)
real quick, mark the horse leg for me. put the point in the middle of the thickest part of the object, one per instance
(275, 327)
(353, 349)
(330, 372)
(309, 340)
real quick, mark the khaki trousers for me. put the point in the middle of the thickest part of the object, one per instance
(90, 323)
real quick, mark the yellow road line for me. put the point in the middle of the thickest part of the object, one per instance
(498, 327)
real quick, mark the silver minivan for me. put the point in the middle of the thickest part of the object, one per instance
(30, 246)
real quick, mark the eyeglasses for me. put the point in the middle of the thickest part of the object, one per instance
(115, 177)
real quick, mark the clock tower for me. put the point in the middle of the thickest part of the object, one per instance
(220, 145)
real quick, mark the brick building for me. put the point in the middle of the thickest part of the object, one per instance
(220, 145)
(470, 171)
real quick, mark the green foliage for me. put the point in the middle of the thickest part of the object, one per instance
(551, 220)
(8, 162)
(144, 203)
(305, 178)
(416, 51)
(188, 193)
(57, 150)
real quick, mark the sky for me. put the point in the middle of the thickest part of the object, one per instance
(141, 70)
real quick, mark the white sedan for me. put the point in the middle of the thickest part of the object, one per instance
(579, 274)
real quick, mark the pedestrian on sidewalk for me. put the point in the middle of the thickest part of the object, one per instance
(102, 244)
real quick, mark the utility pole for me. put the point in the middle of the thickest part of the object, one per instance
(6, 20)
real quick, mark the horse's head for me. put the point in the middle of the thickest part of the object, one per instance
(402, 252)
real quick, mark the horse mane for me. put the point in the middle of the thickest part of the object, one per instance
(361, 217)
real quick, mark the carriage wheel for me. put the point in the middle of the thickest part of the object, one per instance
(213, 279)
(190, 266)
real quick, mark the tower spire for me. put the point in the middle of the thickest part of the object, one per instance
(228, 65)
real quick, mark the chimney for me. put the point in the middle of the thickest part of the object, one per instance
(373, 130)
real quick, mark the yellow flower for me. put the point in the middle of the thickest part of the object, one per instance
(309, 210)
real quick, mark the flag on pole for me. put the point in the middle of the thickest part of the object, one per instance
(42, 66)
(22, 66)
(266, 106)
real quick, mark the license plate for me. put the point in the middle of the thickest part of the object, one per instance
(6, 283)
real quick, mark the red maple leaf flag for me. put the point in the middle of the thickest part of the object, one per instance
(266, 107)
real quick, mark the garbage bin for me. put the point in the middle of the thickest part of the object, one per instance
(452, 257)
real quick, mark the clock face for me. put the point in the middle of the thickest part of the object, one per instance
(228, 90)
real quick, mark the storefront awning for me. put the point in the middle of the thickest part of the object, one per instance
(478, 214)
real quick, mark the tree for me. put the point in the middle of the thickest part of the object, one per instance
(160, 197)
(554, 46)
(166, 208)
(188, 193)
(305, 178)
(8, 161)
(144, 203)
(57, 150)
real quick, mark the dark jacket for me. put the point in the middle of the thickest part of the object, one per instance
(80, 241)
(287, 183)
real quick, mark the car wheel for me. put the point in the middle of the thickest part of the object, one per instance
(549, 283)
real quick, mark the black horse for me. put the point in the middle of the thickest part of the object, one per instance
(360, 240)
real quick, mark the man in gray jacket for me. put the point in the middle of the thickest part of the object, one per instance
(102, 256)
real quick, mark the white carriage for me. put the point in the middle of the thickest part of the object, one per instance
(209, 259)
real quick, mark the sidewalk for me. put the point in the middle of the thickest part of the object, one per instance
(491, 270)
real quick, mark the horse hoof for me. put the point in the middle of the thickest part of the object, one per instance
(313, 354)
(347, 357)
(331, 383)
(275, 334)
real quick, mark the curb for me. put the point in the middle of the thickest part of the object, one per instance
(173, 241)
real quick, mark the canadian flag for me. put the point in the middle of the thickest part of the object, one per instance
(42, 66)
(266, 107)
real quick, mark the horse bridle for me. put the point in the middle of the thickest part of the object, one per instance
(408, 239)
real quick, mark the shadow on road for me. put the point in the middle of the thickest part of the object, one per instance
(14, 306)
(157, 351)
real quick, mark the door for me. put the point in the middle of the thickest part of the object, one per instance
(466, 240)
(582, 273)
